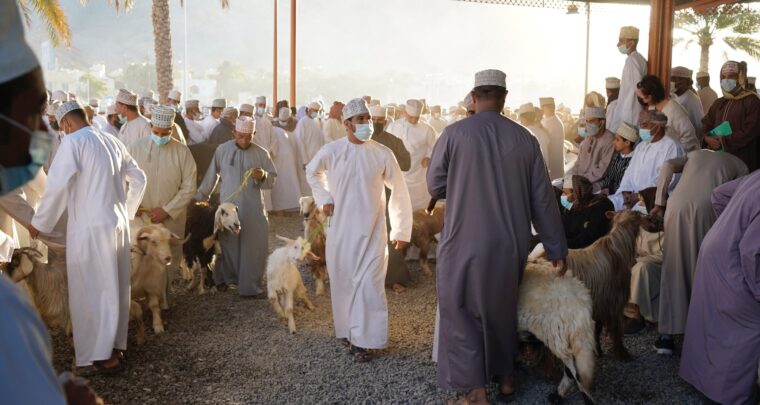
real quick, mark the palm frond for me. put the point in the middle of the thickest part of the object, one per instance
(119, 5)
(52, 16)
(225, 4)
(747, 23)
(749, 45)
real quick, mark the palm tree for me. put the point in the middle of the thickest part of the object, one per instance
(735, 23)
(52, 16)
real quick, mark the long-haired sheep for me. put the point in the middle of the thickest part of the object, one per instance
(284, 282)
(605, 268)
(424, 228)
(151, 253)
(557, 311)
(203, 226)
(314, 221)
(48, 283)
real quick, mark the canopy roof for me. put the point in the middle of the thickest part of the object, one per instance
(679, 4)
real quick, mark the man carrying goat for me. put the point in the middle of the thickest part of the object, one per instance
(347, 177)
(245, 169)
(491, 173)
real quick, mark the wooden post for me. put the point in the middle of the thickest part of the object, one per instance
(274, 70)
(292, 53)
(661, 39)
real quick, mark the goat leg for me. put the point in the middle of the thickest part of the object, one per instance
(136, 314)
(301, 291)
(155, 309)
(319, 278)
(598, 336)
(618, 347)
(275, 301)
(424, 259)
(289, 311)
(202, 279)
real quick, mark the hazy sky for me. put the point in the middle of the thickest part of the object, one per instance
(432, 47)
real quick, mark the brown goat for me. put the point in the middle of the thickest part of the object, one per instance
(424, 228)
(605, 268)
(314, 222)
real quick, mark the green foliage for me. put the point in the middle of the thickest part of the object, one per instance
(139, 77)
(98, 88)
(722, 22)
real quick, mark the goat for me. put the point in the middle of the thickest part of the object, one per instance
(203, 225)
(605, 268)
(314, 221)
(151, 253)
(284, 282)
(48, 284)
(557, 311)
(424, 228)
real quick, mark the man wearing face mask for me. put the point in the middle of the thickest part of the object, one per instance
(398, 276)
(261, 108)
(174, 99)
(347, 177)
(308, 135)
(134, 125)
(596, 150)
(418, 138)
(739, 109)
(112, 121)
(192, 122)
(212, 120)
(98, 239)
(648, 157)
(635, 68)
(244, 256)
(225, 130)
(556, 132)
(171, 173)
(333, 127)
(681, 87)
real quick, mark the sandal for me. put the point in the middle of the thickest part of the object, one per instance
(345, 342)
(361, 355)
(98, 369)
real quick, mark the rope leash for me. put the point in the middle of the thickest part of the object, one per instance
(243, 184)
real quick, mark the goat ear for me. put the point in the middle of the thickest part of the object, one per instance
(218, 221)
(312, 256)
(609, 214)
(284, 239)
(26, 265)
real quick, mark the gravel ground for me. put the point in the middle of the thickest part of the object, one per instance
(223, 349)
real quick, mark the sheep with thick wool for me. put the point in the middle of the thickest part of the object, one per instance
(284, 282)
(557, 311)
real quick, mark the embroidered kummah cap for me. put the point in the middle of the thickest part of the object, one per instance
(162, 116)
(245, 125)
(491, 77)
(66, 108)
(629, 32)
(126, 97)
(378, 111)
(612, 83)
(595, 112)
(246, 108)
(545, 101)
(175, 95)
(354, 107)
(628, 132)
(192, 103)
(680, 71)
(219, 103)
(413, 107)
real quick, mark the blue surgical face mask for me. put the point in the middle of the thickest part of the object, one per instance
(122, 119)
(14, 177)
(363, 132)
(640, 208)
(728, 84)
(565, 203)
(592, 129)
(623, 49)
(645, 134)
(314, 115)
(582, 131)
(160, 140)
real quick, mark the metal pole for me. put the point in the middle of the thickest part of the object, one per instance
(184, 63)
(274, 69)
(588, 30)
(292, 53)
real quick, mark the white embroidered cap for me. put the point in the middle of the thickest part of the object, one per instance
(245, 125)
(246, 108)
(126, 97)
(175, 95)
(612, 83)
(193, 103)
(219, 103)
(162, 116)
(378, 111)
(526, 108)
(66, 108)
(629, 32)
(680, 71)
(60, 95)
(491, 77)
(354, 107)
(413, 107)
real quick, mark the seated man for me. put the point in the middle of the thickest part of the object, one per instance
(625, 140)
(596, 149)
(584, 214)
(655, 148)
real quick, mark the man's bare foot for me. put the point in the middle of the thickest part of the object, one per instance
(398, 288)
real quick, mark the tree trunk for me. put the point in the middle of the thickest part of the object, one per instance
(704, 58)
(163, 48)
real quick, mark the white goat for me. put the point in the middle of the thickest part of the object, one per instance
(557, 310)
(151, 253)
(314, 220)
(283, 279)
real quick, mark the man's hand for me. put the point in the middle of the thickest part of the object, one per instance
(33, 232)
(561, 267)
(425, 162)
(78, 391)
(712, 142)
(399, 244)
(578, 139)
(258, 174)
(328, 209)
(158, 215)
(658, 211)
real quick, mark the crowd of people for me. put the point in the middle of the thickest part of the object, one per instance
(84, 176)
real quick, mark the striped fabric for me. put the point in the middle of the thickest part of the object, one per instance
(615, 172)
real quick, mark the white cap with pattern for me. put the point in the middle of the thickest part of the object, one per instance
(629, 32)
(192, 103)
(126, 97)
(162, 116)
(66, 108)
(680, 71)
(701, 74)
(413, 107)
(219, 103)
(175, 95)
(490, 77)
(354, 107)
(246, 108)
(612, 83)
(628, 131)
(378, 111)
(542, 101)
(52, 107)
(229, 112)
(526, 108)
(595, 112)
(314, 106)
(60, 95)
(245, 125)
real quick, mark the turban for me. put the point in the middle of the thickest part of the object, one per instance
(653, 116)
